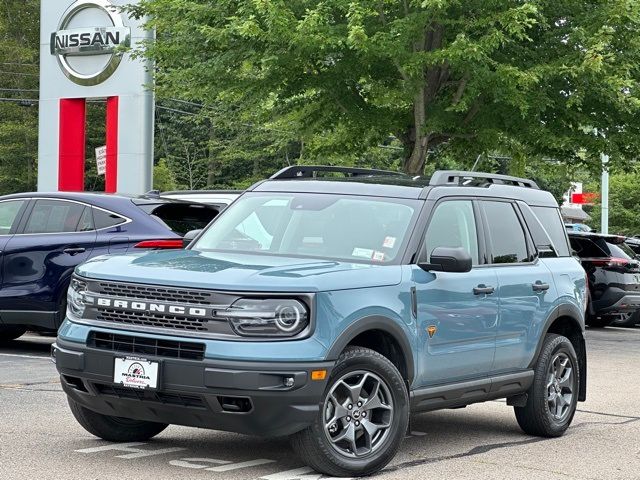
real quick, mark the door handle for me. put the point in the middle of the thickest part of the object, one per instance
(483, 289)
(540, 287)
(74, 250)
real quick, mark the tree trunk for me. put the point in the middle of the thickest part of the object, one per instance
(414, 165)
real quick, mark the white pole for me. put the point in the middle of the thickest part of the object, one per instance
(604, 220)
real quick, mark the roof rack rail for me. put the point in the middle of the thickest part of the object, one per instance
(310, 171)
(452, 177)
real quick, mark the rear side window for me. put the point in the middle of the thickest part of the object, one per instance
(182, 217)
(508, 240)
(453, 224)
(104, 219)
(8, 213)
(552, 222)
(54, 216)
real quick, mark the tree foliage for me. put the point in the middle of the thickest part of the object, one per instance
(514, 76)
(19, 39)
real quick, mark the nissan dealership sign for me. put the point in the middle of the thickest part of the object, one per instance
(86, 59)
(87, 40)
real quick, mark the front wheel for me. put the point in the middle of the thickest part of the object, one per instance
(363, 419)
(552, 398)
(114, 429)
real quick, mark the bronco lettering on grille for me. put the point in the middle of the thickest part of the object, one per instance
(147, 306)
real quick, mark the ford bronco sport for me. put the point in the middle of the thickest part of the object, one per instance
(327, 309)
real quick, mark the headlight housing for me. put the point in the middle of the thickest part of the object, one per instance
(75, 298)
(252, 317)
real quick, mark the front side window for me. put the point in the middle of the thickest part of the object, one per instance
(508, 241)
(351, 228)
(453, 224)
(8, 213)
(54, 216)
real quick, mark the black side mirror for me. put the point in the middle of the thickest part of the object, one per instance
(447, 259)
(189, 236)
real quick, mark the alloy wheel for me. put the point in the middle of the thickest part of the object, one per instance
(560, 386)
(358, 414)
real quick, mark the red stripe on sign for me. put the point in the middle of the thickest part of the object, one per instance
(71, 144)
(111, 175)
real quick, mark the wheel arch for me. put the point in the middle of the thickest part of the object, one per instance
(383, 335)
(565, 321)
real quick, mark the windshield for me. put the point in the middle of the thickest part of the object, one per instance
(359, 229)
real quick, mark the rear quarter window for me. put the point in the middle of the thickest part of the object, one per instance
(552, 222)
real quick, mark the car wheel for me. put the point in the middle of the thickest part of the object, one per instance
(114, 429)
(628, 320)
(363, 417)
(553, 396)
(11, 333)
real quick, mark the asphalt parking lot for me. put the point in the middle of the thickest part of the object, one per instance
(39, 439)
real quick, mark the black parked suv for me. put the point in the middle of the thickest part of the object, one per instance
(614, 276)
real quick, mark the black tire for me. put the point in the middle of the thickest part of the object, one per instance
(630, 320)
(9, 333)
(599, 322)
(536, 418)
(114, 429)
(313, 444)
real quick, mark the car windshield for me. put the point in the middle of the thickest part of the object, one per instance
(352, 228)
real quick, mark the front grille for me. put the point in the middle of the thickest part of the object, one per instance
(146, 346)
(153, 320)
(165, 398)
(168, 294)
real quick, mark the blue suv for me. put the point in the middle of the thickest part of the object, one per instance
(327, 304)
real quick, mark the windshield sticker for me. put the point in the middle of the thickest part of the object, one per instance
(389, 242)
(378, 256)
(362, 253)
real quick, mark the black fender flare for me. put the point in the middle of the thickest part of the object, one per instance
(381, 323)
(572, 312)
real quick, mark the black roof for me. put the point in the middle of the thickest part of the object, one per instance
(615, 239)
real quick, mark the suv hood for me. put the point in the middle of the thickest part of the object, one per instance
(238, 272)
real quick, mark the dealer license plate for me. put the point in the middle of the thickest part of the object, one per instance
(135, 372)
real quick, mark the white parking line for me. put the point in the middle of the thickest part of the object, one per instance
(25, 356)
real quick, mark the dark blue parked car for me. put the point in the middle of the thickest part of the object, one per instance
(44, 236)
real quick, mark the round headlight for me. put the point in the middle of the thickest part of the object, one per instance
(287, 318)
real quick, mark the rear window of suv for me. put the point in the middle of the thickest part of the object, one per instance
(181, 217)
(598, 247)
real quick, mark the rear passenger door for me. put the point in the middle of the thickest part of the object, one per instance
(525, 285)
(10, 213)
(54, 237)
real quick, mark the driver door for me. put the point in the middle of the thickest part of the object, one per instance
(457, 313)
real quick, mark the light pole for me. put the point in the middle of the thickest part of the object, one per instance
(604, 216)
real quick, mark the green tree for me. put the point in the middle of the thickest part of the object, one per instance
(624, 198)
(19, 42)
(521, 77)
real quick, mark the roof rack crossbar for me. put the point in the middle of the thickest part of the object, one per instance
(309, 171)
(452, 177)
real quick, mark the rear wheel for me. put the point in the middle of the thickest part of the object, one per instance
(114, 429)
(9, 333)
(553, 397)
(363, 419)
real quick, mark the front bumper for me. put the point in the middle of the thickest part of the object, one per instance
(235, 396)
